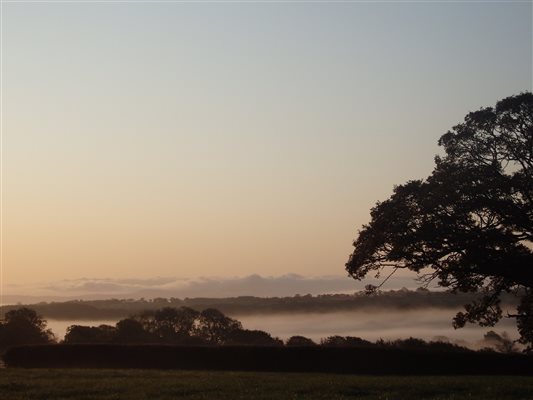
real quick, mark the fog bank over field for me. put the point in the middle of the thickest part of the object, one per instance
(428, 324)
(214, 287)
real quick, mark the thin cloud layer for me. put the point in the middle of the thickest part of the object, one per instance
(252, 285)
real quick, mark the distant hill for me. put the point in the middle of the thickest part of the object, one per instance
(245, 305)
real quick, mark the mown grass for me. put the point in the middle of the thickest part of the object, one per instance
(59, 384)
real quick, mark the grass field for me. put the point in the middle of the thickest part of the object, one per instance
(58, 384)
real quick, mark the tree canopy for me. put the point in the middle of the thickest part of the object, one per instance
(177, 326)
(23, 326)
(469, 225)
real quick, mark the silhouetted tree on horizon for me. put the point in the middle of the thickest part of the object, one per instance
(78, 334)
(470, 223)
(345, 341)
(130, 330)
(300, 341)
(215, 327)
(169, 324)
(176, 326)
(24, 326)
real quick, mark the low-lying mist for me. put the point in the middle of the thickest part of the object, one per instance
(427, 324)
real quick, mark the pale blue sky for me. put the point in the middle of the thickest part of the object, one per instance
(182, 139)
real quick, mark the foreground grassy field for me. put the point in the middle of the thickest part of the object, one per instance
(61, 384)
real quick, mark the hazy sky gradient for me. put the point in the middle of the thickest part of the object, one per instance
(228, 139)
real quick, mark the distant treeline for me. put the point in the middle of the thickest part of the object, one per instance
(244, 305)
(353, 360)
(185, 326)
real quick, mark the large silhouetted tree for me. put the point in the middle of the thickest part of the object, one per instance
(469, 225)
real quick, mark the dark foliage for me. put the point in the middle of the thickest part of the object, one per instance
(23, 326)
(177, 326)
(354, 360)
(501, 343)
(90, 334)
(345, 341)
(419, 344)
(300, 341)
(169, 325)
(471, 221)
(130, 330)
(524, 319)
(214, 327)
(245, 337)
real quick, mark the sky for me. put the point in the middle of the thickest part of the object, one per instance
(228, 139)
